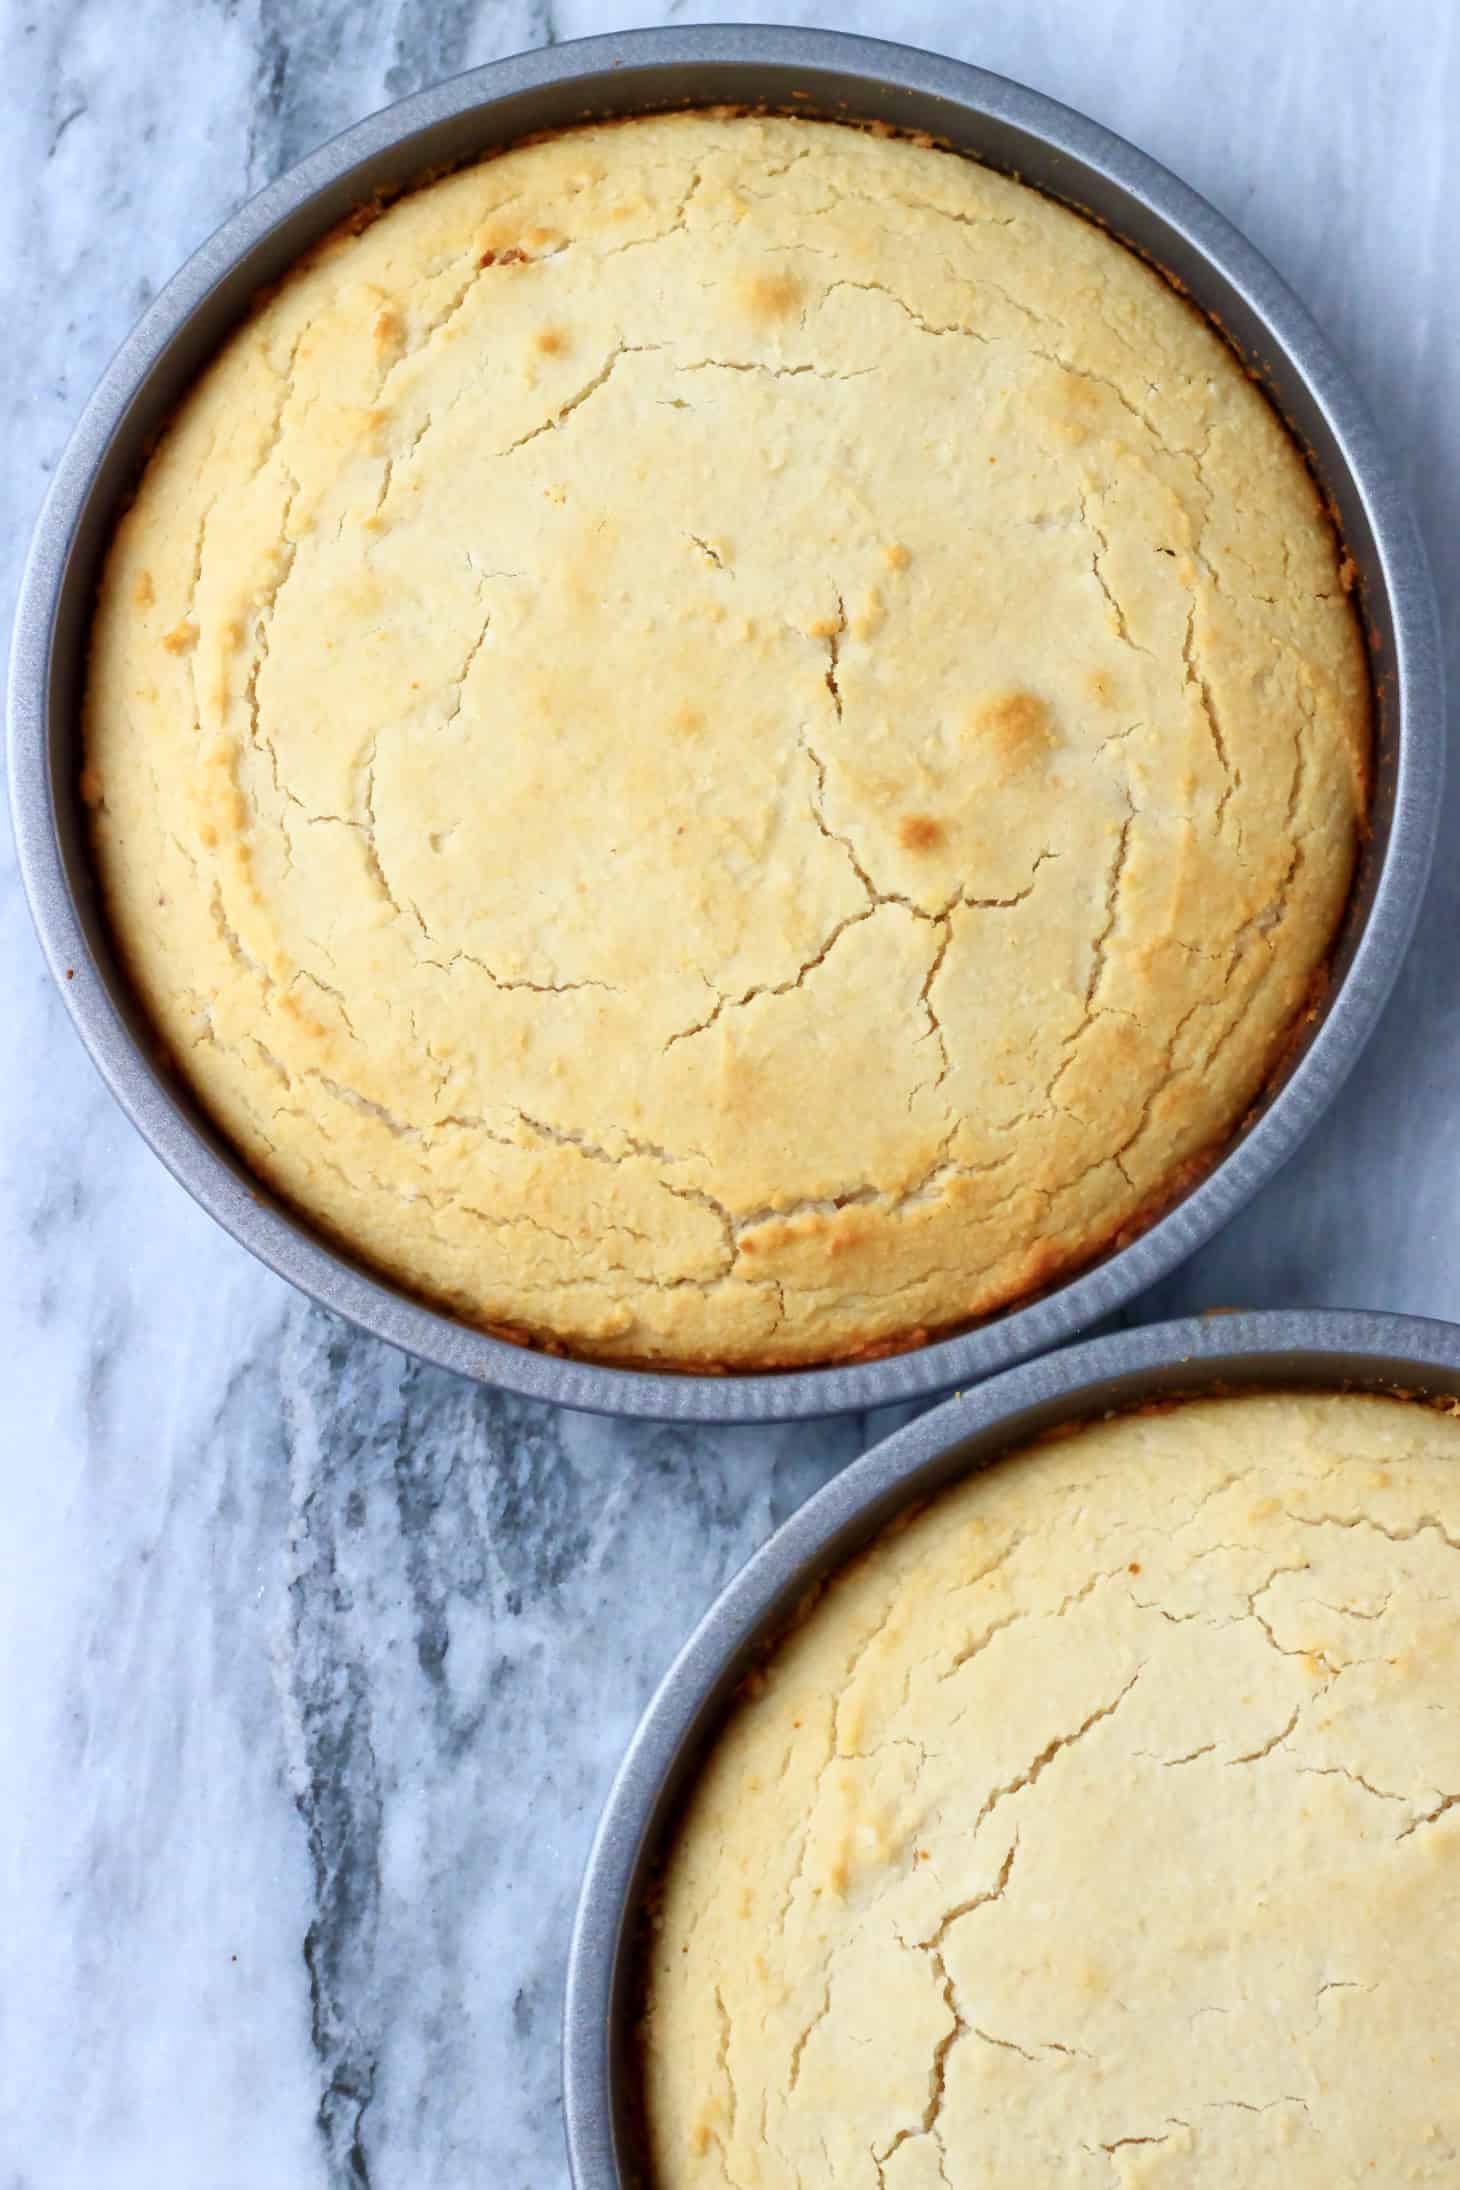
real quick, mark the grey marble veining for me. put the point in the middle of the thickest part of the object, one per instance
(314, 1664)
(459, 1667)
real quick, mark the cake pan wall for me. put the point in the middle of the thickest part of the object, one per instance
(1307, 1350)
(811, 72)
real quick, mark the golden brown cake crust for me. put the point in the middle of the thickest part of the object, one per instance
(1099, 1827)
(725, 740)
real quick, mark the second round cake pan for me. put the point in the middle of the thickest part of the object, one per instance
(808, 72)
(1199, 1357)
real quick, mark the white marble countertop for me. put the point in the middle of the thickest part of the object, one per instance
(314, 1664)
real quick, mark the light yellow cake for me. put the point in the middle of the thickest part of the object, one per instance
(726, 741)
(1099, 1827)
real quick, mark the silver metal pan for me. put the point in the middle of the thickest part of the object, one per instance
(1285, 1350)
(819, 72)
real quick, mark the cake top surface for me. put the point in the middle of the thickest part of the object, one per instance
(725, 740)
(1099, 1826)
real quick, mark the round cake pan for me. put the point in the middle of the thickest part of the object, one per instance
(808, 72)
(1308, 1350)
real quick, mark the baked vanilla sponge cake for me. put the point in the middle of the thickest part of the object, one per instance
(725, 742)
(1099, 1826)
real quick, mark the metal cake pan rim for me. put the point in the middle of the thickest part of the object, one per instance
(1311, 1348)
(601, 67)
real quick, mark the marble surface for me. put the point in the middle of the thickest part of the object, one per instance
(314, 1664)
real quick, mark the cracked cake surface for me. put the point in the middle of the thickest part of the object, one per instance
(725, 741)
(1099, 1826)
